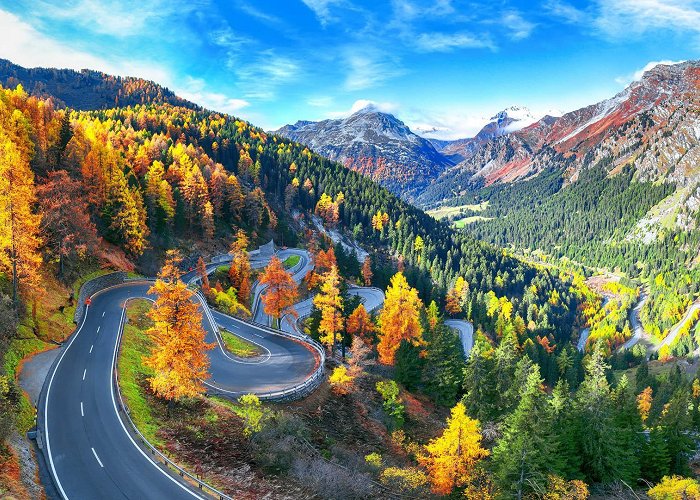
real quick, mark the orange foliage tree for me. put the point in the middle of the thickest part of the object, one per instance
(367, 271)
(450, 458)
(323, 262)
(177, 358)
(399, 319)
(330, 303)
(359, 324)
(282, 290)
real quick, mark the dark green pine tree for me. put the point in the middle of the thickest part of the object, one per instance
(442, 374)
(565, 430)
(675, 423)
(408, 365)
(629, 428)
(604, 456)
(655, 459)
(479, 390)
(523, 457)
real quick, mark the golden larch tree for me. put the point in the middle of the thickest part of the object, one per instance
(178, 357)
(367, 271)
(239, 273)
(282, 291)
(330, 303)
(644, 401)
(20, 242)
(399, 319)
(450, 458)
(360, 325)
(456, 296)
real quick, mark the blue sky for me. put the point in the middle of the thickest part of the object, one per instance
(444, 65)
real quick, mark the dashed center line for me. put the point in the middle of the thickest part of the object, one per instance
(98, 329)
(103, 313)
(82, 413)
(98, 458)
(91, 348)
(84, 372)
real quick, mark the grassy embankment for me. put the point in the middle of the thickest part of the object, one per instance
(202, 435)
(239, 346)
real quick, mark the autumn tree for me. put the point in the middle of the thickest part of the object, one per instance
(450, 459)
(239, 272)
(367, 271)
(399, 319)
(359, 324)
(19, 226)
(644, 401)
(66, 218)
(456, 296)
(330, 303)
(177, 357)
(323, 262)
(281, 292)
(203, 276)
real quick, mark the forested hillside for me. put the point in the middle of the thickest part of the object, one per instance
(116, 187)
(87, 89)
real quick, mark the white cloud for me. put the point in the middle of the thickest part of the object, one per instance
(638, 74)
(322, 10)
(195, 90)
(384, 107)
(620, 18)
(519, 27)
(366, 69)
(24, 45)
(443, 42)
(565, 11)
(120, 18)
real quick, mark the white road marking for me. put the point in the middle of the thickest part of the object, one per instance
(98, 458)
(91, 348)
(82, 413)
(46, 406)
(103, 313)
(84, 372)
(98, 329)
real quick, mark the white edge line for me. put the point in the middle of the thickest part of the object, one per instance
(98, 458)
(82, 412)
(46, 406)
(116, 411)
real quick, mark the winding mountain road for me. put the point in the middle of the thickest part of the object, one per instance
(90, 451)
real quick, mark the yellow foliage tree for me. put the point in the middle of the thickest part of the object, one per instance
(674, 488)
(19, 226)
(644, 401)
(450, 458)
(239, 272)
(340, 380)
(456, 296)
(177, 357)
(399, 319)
(330, 303)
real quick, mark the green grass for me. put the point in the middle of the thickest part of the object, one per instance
(461, 223)
(291, 261)
(135, 346)
(442, 212)
(238, 346)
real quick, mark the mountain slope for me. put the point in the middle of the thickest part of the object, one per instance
(654, 123)
(87, 89)
(375, 144)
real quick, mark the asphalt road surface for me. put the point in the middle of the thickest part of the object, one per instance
(91, 454)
